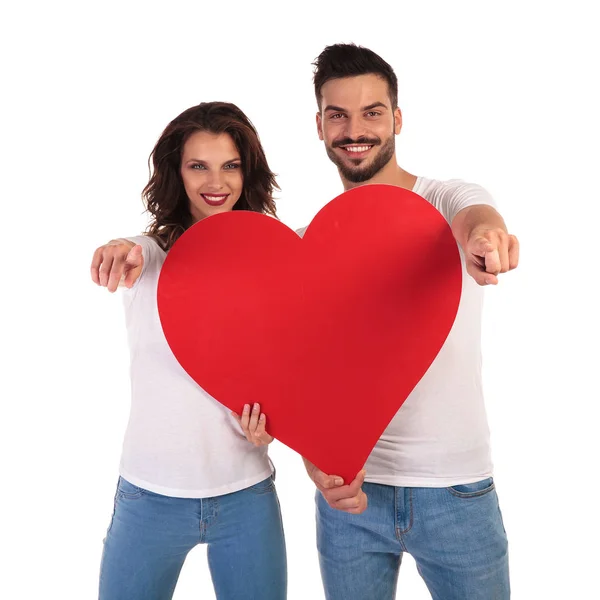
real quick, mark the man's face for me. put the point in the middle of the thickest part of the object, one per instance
(357, 124)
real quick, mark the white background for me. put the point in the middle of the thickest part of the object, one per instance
(502, 94)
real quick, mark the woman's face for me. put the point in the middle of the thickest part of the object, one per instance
(211, 169)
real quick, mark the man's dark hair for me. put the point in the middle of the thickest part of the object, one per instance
(350, 60)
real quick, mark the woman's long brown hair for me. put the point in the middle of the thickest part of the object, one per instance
(164, 195)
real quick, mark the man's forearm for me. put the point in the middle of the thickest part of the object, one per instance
(481, 217)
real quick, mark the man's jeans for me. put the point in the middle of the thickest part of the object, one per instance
(455, 535)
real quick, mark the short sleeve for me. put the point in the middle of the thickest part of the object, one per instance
(452, 196)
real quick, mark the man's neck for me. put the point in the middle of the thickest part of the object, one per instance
(391, 174)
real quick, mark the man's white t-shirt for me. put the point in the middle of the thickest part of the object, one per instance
(440, 435)
(179, 441)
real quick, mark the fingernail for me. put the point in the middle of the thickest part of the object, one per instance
(339, 481)
(246, 408)
(256, 407)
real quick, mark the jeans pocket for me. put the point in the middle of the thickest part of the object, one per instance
(263, 487)
(472, 490)
(128, 491)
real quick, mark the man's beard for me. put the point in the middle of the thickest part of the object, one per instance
(358, 174)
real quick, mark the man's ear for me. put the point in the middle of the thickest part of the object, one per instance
(397, 121)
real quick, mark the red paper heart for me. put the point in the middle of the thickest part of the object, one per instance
(329, 333)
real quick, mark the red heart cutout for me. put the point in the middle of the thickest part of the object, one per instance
(329, 333)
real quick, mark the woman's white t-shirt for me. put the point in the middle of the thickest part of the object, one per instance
(179, 441)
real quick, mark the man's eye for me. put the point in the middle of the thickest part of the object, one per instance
(373, 113)
(337, 116)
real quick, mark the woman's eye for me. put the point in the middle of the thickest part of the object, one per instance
(198, 166)
(233, 166)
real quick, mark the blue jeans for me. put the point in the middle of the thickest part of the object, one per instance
(455, 535)
(150, 536)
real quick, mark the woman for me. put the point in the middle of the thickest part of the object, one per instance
(188, 474)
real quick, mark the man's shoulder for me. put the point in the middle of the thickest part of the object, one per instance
(450, 196)
(427, 186)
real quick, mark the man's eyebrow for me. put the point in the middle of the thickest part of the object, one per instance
(374, 105)
(335, 108)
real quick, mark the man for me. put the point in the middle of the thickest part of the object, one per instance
(428, 488)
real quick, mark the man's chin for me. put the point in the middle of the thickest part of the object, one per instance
(355, 170)
(357, 176)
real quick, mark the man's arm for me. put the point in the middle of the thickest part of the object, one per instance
(488, 247)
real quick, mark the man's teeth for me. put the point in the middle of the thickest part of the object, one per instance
(357, 148)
